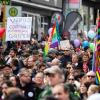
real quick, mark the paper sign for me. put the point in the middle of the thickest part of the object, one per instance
(65, 44)
(18, 28)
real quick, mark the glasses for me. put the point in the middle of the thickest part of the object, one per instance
(68, 67)
(91, 76)
(71, 79)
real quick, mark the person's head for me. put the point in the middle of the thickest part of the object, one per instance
(13, 80)
(24, 76)
(7, 70)
(39, 78)
(93, 89)
(85, 57)
(40, 57)
(71, 79)
(55, 75)
(66, 52)
(61, 92)
(90, 77)
(52, 53)
(16, 97)
(13, 52)
(70, 67)
(41, 67)
(60, 54)
(35, 55)
(74, 58)
(5, 85)
(30, 62)
(14, 94)
(55, 62)
(83, 88)
(95, 96)
(25, 61)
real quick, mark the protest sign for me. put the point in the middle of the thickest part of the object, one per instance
(65, 44)
(18, 28)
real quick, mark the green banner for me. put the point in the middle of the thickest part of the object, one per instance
(5, 2)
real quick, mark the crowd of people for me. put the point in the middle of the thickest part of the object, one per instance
(64, 74)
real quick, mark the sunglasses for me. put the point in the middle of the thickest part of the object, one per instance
(91, 76)
(68, 67)
(71, 79)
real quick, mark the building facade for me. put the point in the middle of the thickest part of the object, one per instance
(40, 11)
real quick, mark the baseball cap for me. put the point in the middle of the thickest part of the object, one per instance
(53, 70)
(52, 51)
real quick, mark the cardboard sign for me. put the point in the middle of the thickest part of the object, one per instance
(18, 28)
(65, 44)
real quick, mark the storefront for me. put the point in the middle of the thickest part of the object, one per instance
(40, 11)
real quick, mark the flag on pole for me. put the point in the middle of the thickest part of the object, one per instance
(54, 38)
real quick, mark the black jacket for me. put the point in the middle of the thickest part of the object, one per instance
(29, 91)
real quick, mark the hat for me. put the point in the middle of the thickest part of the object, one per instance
(7, 65)
(53, 70)
(52, 51)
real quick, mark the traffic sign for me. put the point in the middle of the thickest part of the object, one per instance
(13, 11)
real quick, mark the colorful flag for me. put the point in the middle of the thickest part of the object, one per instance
(46, 49)
(97, 61)
(55, 36)
(53, 40)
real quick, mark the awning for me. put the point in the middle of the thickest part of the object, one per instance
(37, 5)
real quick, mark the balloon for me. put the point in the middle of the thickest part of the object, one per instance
(92, 46)
(50, 30)
(2, 30)
(85, 44)
(76, 43)
(91, 34)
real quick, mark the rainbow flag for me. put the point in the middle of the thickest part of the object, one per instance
(55, 38)
(46, 49)
(97, 60)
